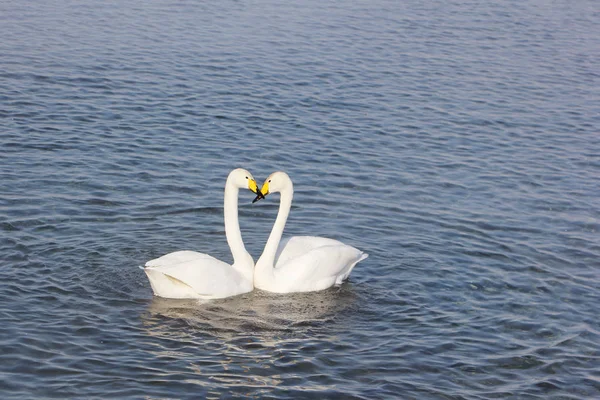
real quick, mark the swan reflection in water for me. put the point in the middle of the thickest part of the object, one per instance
(258, 339)
(258, 313)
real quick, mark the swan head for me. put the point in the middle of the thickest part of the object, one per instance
(243, 179)
(275, 183)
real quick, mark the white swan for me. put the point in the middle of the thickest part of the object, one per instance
(300, 263)
(188, 274)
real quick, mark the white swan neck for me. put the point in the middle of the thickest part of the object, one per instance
(264, 266)
(241, 257)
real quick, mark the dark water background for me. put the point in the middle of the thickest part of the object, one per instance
(456, 142)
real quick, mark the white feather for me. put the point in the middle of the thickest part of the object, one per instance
(300, 263)
(188, 274)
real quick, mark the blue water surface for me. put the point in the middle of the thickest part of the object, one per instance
(455, 142)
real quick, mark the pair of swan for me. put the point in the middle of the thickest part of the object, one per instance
(298, 264)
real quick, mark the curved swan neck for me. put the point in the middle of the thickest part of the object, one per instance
(232, 226)
(267, 259)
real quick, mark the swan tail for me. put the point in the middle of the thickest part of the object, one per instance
(346, 273)
(164, 285)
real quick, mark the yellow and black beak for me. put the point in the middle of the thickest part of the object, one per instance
(264, 191)
(253, 187)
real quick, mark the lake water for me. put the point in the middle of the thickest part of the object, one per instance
(456, 142)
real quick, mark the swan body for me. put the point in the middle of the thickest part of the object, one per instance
(189, 274)
(300, 263)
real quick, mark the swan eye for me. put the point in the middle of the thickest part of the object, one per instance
(269, 181)
(246, 177)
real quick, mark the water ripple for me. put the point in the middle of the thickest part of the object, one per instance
(457, 146)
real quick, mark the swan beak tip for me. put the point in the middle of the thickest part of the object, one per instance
(259, 196)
